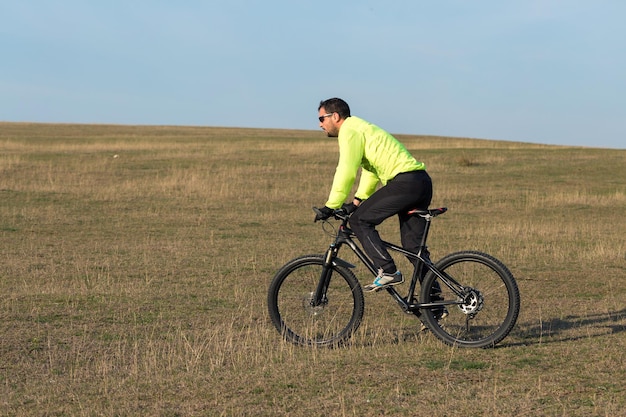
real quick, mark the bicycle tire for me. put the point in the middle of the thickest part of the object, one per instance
(490, 307)
(330, 324)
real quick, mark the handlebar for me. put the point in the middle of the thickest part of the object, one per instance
(342, 214)
(339, 214)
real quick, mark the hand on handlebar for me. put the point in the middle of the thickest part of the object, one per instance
(322, 213)
(325, 213)
(349, 208)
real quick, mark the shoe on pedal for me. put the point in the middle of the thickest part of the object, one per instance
(384, 280)
(439, 313)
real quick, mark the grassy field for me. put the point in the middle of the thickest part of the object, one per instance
(136, 262)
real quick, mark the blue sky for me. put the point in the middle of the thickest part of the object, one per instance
(551, 71)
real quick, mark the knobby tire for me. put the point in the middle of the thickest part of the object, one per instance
(488, 314)
(291, 312)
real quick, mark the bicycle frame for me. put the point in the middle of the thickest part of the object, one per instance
(408, 304)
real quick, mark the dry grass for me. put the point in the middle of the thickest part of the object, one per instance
(137, 259)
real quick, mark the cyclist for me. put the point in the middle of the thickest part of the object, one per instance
(382, 159)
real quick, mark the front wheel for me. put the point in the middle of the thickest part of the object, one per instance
(485, 306)
(295, 315)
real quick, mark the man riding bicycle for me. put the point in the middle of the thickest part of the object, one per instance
(382, 158)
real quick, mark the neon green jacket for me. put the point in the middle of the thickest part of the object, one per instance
(379, 154)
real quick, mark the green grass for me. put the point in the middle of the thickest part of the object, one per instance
(136, 262)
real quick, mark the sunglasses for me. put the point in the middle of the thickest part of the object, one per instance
(321, 118)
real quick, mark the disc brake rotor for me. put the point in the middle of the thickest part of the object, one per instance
(311, 310)
(472, 303)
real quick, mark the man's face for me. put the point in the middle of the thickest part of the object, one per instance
(328, 122)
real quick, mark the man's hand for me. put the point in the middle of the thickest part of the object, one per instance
(322, 213)
(349, 208)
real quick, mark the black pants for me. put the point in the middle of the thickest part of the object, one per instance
(406, 191)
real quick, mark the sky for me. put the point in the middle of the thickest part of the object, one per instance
(551, 71)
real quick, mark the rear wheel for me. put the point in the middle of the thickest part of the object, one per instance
(487, 307)
(291, 307)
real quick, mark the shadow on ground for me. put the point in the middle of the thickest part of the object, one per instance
(569, 328)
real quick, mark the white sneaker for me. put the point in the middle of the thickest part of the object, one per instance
(385, 280)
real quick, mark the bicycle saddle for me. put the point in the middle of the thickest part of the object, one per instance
(430, 212)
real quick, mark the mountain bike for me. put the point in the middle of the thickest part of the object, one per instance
(316, 300)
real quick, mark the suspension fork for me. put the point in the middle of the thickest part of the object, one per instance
(319, 297)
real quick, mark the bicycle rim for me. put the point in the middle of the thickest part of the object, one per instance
(290, 303)
(490, 305)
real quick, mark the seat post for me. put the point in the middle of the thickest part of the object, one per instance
(428, 219)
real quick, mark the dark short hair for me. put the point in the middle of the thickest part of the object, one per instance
(336, 105)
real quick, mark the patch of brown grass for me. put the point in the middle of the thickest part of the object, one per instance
(137, 259)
